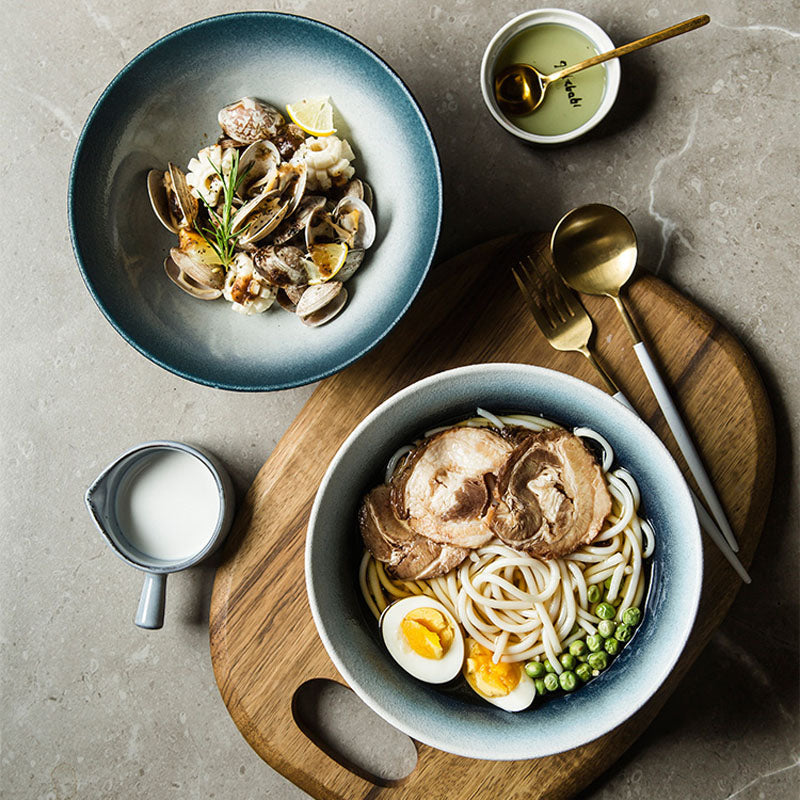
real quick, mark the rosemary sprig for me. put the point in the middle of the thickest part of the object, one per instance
(219, 237)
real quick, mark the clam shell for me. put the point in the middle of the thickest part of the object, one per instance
(321, 303)
(261, 161)
(289, 296)
(351, 264)
(249, 120)
(266, 211)
(360, 190)
(263, 214)
(319, 228)
(157, 193)
(365, 230)
(299, 187)
(185, 282)
(290, 227)
(177, 208)
(198, 260)
(187, 202)
(281, 266)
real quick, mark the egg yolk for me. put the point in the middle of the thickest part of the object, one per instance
(428, 632)
(487, 678)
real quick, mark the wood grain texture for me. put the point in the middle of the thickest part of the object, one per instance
(263, 640)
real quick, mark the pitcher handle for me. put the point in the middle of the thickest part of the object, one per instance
(150, 613)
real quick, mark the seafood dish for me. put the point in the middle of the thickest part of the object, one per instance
(272, 214)
(505, 556)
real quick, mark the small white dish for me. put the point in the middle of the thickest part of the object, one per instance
(549, 16)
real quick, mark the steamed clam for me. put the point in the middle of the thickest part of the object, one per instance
(295, 223)
(350, 222)
(281, 266)
(351, 263)
(188, 284)
(258, 164)
(260, 216)
(171, 198)
(359, 189)
(197, 259)
(268, 215)
(249, 120)
(320, 304)
(355, 217)
(289, 296)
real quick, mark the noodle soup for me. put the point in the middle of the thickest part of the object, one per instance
(541, 561)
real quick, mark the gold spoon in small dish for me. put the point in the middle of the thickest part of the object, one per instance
(520, 88)
(594, 251)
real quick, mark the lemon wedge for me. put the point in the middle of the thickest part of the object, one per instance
(325, 261)
(314, 116)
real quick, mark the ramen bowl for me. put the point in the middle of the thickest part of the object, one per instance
(448, 720)
(163, 107)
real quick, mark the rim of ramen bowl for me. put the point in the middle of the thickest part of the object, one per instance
(72, 191)
(592, 729)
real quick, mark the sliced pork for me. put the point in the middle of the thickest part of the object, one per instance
(443, 490)
(407, 556)
(550, 497)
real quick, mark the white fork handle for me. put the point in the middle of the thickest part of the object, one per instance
(685, 443)
(706, 522)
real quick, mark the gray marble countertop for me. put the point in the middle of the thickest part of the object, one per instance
(699, 154)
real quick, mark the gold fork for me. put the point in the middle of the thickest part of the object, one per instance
(567, 326)
(559, 314)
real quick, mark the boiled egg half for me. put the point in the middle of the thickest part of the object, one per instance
(505, 684)
(423, 638)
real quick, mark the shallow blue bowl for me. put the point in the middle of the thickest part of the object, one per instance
(163, 107)
(446, 721)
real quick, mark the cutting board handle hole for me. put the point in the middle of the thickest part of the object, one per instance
(336, 720)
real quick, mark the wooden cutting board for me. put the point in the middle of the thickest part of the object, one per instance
(263, 640)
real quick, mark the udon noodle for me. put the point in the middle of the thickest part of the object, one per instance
(521, 607)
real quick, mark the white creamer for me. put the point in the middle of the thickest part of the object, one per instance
(168, 505)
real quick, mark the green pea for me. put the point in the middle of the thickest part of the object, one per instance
(583, 657)
(611, 646)
(607, 583)
(535, 669)
(584, 672)
(606, 628)
(567, 660)
(578, 647)
(551, 681)
(624, 633)
(594, 642)
(632, 616)
(605, 611)
(548, 667)
(593, 593)
(568, 681)
(540, 687)
(598, 661)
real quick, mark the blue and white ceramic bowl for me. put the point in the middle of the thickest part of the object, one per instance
(445, 721)
(163, 107)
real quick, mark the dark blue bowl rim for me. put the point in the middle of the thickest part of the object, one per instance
(71, 196)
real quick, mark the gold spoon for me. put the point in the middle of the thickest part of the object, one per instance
(520, 88)
(594, 251)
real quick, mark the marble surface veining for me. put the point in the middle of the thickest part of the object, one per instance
(701, 152)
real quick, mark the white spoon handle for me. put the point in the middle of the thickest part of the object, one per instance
(706, 522)
(684, 442)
